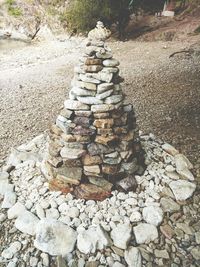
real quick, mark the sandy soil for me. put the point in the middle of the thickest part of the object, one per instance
(34, 81)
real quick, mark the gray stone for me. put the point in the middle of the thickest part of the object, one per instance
(111, 62)
(196, 253)
(130, 167)
(114, 99)
(169, 205)
(103, 87)
(182, 162)
(90, 100)
(133, 257)
(182, 189)
(197, 237)
(145, 233)
(70, 153)
(102, 108)
(89, 78)
(54, 238)
(82, 92)
(121, 235)
(106, 55)
(75, 105)
(161, 254)
(104, 94)
(186, 174)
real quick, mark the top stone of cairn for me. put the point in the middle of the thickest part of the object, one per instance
(94, 145)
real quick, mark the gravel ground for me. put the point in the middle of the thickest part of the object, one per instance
(34, 82)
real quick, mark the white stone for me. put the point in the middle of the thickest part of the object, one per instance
(88, 241)
(136, 216)
(2, 217)
(182, 162)
(182, 189)
(153, 215)
(39, 211)
(131, 201)
(111, 62)
(121, 235)
(118, 264)
(27, 222)
(9, 200)
(169, 149)
(54, 238)
(16, 210)
(75, 105)
(45, 259)
(5, 187)
(145, 233)
(44, 204)
(133, 257)
(73, 212)
(4, 175)
(89, 100)
(52, 213)
(33, 261)
(9, 252)
(186, 174)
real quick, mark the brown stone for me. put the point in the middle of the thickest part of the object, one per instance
(92, 192)
(93, 61)
(128, 137)
(68, 137)
(103, 123)
(101, 115)
(122, 120)
(101, 183)
(82, 138)
(106, 140)
(110, 169)
(83, 121)
(59, 185)
(93, 68)
(91, 160)
(102, 131)
(70, 153)
(55, 130)
(128, 184)
(92, 169)
(80, 130)
(66, 113)
(84, 113)
(71, 175)
(167, 231)
(54, 149)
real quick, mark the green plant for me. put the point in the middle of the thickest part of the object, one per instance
(13, 10)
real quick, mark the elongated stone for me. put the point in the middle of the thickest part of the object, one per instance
(91, 160)
(114, 99)
(66, 113)
(90, 100)
(106, 55)
(89, 79)
(80, 130)
(90, 191)
(104, 76)
(80, 84)
(71, 153)
(110, 169)
(75, 105)
(93, 61)
(81, 113)
(101, 183)
(93, 68)
(104, 87)
(83, 121)
(106, 140)
(110, 70)
(68, 137)
(92, 169)
(102, 108)
(104, 95)
(111, 62)
(82, 92)
(106, 131)
(97, 149)
(71, 175)
(102, 115)
(60, 185)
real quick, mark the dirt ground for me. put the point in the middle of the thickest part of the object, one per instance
(34, 82)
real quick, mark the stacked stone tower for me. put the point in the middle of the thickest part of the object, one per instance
(94, 145)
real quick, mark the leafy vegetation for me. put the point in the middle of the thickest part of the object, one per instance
(13, 10)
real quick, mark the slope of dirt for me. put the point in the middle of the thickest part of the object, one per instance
(34, 82)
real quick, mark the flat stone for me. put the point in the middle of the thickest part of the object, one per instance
(169, 205)
(161, 254)
(196, 253)
(167, 231)
(133, 257)
(107, 140)
(9, 200)
(71, 153)
(153, 215)
(103, 123)
(98, 149)
(104, 94)
(75, 105)
(185, 228)
(91, 160)
(111, 62)
(81, 130)
(103, 87)
(60, 185)
(182, 189)
(26, 222)
(92, 169)
(145, 233)
(182, 162)
(186, 174)
(4, 175)
(90, 100)
(110, 70)
(88, 86)
(105, 55)
(101, 183)
(88, 241)
(197, 238)
(72, 163)
(91, 192)
(110, 169)
(83, 121)
(102, 108)
(103, 115)
(13, 248)
(169, 149)
(84, 113)
(112, 161)
(82, 92)
(114, 99)
(89, 79)
(128, 184)
(130, 167)
(54, 237)
(121, 235)
(71, 175)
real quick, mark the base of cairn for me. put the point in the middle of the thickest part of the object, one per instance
(94, 145)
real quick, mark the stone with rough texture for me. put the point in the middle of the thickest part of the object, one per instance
(90, 191)
(182, 189)
(26, 222)
(4, 175)
(102, 108)
(75, 105)
(169, 205)
(71, 153)
(13, 248)
(169, 149)
(9, 200)
(16, 210)
(133, 257)
(121, 235)
(145, 233)
(89, 100)
(88, 241)
(161, 254)
(54, 238)
(153, 215)
(167, 231)
(111, 62)
(114, 99)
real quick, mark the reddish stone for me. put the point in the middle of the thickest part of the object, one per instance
(103, 123)
(83, 121)
(92, 192)
(59, 185)
(167, 231)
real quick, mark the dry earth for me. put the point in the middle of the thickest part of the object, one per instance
(34, 81)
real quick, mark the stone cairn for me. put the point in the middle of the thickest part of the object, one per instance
(94, 145)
